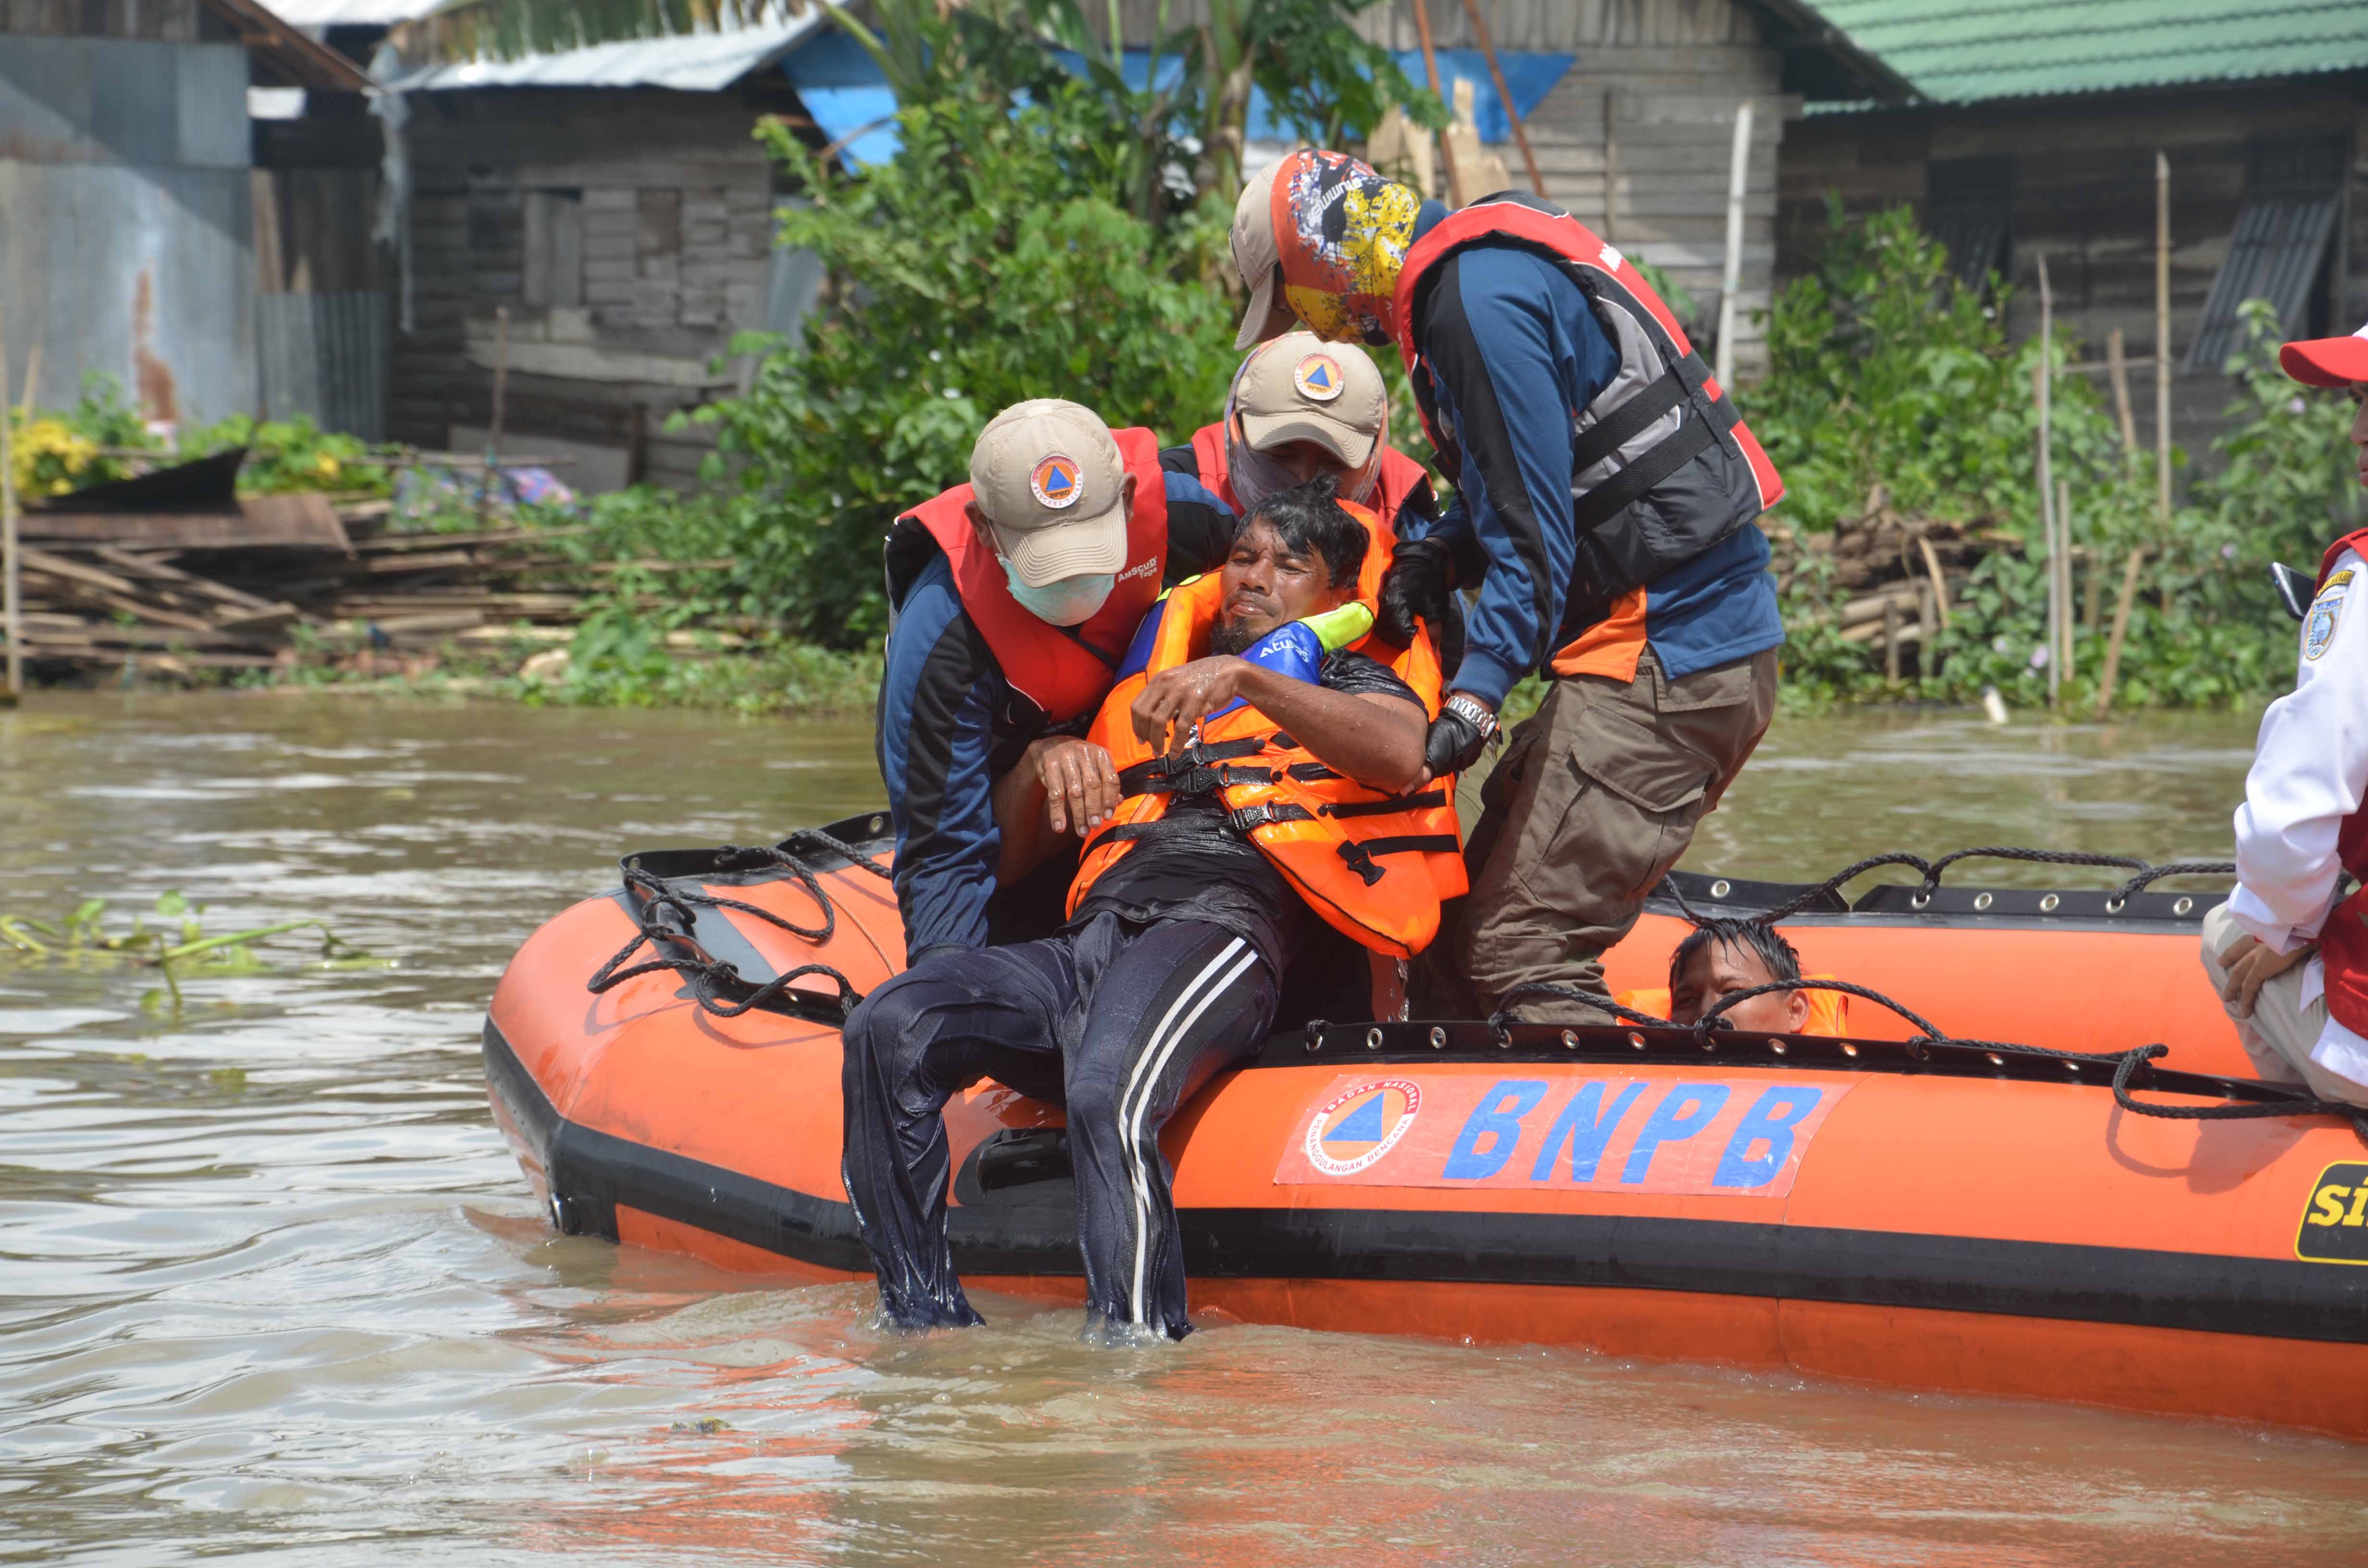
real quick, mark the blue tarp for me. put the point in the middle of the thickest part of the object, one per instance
(843, 89)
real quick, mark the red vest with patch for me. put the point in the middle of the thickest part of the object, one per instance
(1064, 670)
(2343, 940)
(1663, 467)
(1401, 476)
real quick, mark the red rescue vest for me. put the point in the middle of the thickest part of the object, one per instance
(1062, 669)
(1663, 467)
(1374, 866)
(2343, 940)
(1401, 476)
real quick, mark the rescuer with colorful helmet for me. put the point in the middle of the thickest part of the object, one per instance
(1012, 599)
(1606, 498)
(2290, 961)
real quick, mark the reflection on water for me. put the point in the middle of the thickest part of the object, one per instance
(310, 1316)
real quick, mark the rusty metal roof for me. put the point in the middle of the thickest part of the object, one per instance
(1971, 50)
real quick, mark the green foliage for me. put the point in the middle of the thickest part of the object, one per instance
(282, 455)
(985, 264)
(80, 939)
(1890, 381)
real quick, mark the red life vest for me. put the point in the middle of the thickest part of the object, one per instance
(1401, 476)
(2343, 940)
(1663, 467)
(1062, 669)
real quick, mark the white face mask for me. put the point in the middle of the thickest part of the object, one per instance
(1255, 477)
(1064, 601)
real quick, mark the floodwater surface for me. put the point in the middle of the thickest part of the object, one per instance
(271, 1285)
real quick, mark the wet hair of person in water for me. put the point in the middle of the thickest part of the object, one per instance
(1776, 955)
(1308, 519)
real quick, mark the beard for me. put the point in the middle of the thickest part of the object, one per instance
(1232, 638)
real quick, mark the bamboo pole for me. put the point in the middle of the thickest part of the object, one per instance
(32, 381)
(2162, 340)
(1610, 165)
(12, 608)
(2117, 366)
(2040, 379)
(1430, 68)
(1939, 583)
(1505, 94)
(2121, 632)
(1737, 176)
(2064, 622)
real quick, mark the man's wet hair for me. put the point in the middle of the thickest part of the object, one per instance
(1309, 521)
(1783, 962)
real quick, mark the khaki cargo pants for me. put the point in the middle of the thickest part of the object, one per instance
(1595, 799)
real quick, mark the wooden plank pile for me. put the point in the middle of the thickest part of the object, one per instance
(1891, 577)
(393, 598)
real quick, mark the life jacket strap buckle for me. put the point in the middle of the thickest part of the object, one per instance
(1244, 818)
(1361, 860)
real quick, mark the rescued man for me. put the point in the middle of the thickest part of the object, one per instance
(1012, 599)
(1606, 494)
(1300, 407)
(1241, 716)
(1720, 958)
(2290, 963)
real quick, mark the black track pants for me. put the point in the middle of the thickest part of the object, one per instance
(1121, 1026)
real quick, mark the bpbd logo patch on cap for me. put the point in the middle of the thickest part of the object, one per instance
(1318, 377)
(1058, 482)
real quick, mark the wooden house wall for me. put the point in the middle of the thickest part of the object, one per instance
(2084, 197)
(658, 204)
(161, 21)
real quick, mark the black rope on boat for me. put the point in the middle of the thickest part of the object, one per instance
(654, 897)
(2175, 868)
(1931, 872)
(2132, 1063)
(1833, 885)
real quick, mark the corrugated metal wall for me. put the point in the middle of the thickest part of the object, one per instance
(126, 222)
(326, 354)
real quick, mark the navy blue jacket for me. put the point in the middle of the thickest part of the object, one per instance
(1513, 350)
(950, 725)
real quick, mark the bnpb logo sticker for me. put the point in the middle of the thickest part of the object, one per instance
(1318, 377)
(2334, 1226)
(1360, 1125)
(1057, 483)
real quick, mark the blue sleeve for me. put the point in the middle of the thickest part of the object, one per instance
(1513, 351)
(1199, 526)
(938, 701)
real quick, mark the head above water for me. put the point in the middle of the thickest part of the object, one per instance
(1297, 554)
(1050, 496)
(1321, 237)
(1301, 407)
(2337, 362)
(1719, 958)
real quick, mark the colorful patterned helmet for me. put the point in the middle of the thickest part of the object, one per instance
(1335, 233)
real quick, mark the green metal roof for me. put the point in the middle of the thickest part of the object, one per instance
(1967, 50)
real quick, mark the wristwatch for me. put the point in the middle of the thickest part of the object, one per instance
(1472, 707)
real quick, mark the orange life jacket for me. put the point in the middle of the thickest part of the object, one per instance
(1828, 1010)
(1401, 476)
(1062, 669)
(1374, 866)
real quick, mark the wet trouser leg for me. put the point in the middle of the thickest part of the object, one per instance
(1166, 1010)
(917, 1041)
(1595, 799)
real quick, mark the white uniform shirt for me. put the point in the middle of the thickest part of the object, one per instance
(2310, 771)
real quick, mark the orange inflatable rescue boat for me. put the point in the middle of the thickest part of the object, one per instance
(2009, 1193)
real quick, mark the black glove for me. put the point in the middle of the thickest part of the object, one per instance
(1454, 744)
(1417, 585)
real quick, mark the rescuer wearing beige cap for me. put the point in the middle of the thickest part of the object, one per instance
(1301, 407)
(1011, 602)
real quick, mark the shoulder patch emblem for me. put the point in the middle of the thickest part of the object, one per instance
(2318, 630)
(2338, 580)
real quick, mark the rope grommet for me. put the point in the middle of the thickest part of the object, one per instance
(1504, 1038)
(1777, 1046)
(2114, 905)
(1437, 1038)
(1981, 901)
(2071, 1066)
(2183, 905)
(1636, 1039)
(1848, 1049)
(2047, 905)
(1720, 888)
(1918, 900)
(1570, 1039)
(1373, 1039)
(1995, 1060)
